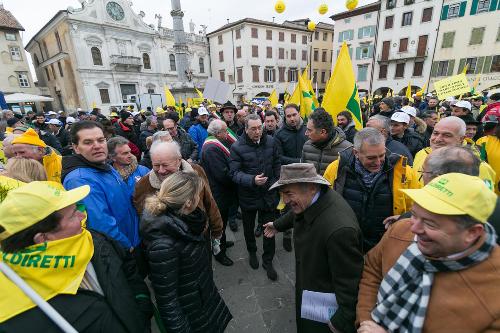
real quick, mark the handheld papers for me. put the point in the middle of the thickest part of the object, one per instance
(452, 86)
(318, 306)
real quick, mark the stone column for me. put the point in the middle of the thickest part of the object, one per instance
(180, 46)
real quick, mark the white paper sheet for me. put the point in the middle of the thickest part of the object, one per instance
(318, 306)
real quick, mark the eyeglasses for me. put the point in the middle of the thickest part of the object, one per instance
(422, 174)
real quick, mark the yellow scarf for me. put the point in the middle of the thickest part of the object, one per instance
(51, 268)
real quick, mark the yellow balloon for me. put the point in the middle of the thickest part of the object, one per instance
(311, 25)
(351, 4)
(323, 9)
(279, 7)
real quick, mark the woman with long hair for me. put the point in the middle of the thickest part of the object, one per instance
(172, 231)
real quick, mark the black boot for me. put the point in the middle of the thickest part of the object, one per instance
(223, 259)
(254, 262)
(287, 244)
(233, 225)
(271, 272)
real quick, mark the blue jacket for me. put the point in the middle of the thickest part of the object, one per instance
(140, 172)
(198, 133)
(109, 203)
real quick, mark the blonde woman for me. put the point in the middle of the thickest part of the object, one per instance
(25, 169)
(172, 232)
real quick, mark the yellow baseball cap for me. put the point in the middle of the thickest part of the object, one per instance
(30, 137)
(31, 203)
(456, 194)
(114, 114)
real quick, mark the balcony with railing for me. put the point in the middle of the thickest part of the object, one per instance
(397, 56)
(126, 62)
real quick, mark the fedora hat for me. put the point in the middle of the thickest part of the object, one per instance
(299, 173)
(228, 105)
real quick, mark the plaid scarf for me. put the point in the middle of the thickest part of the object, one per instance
(404, 293)
(367, 177)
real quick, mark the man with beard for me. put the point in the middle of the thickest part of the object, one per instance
(271, 122)
(199, 132)
(345, 122)
(228, 112)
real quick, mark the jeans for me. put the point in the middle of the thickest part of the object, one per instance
(264, 216)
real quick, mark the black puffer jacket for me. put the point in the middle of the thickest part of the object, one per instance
(290, 141)
(249, 159)
(181, 275)
(215, 162)
(413, 141)
(371, 206)
(189, 148)
(350, 131)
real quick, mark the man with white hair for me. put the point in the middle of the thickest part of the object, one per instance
(166, 159)
(449, 131)
(215, 161)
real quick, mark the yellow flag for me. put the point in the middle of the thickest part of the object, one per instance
(295, 97)
(342, 92)
(190, 102)
(310, 89)
(421, 91)
(93, 105)
(408, 92)
(466, 67)
(169, 97)
(273, 98)
(200, 94)
(307, 105)
(180, 101)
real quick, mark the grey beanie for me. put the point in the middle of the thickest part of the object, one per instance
(389, 101)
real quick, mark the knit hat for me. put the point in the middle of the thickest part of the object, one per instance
(12, 121)
(30, 137)
(388, 101)
(124, 115)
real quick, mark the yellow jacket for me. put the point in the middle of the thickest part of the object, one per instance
(3, 159)
(403, 178)
(52, 162)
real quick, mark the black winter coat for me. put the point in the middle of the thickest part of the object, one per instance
(64, 139)
(350, 131)
(371, 205)
(125, 306)
(290, 142)
(189, 148)
(216, 165)
(397, 147)
(142, 139)
(412, 141)
(249, 159)
(127, 132)
(181, 275)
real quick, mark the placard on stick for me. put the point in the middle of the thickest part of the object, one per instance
(452, 86)
(216, 90)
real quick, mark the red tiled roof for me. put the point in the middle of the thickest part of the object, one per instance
(7, 20)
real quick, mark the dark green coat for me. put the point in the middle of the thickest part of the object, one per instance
(328, 258)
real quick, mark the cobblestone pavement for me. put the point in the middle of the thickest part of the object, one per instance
(257, 303)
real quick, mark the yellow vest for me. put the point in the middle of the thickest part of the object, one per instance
(3, 159)
(52, 163)
(490, 151)
(403, 178)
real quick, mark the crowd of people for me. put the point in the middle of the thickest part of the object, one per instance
(114, 220)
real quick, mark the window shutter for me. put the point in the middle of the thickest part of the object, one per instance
(360, 33)
(479, 65)
(444, 12)
(351, 34)
(473, 8)
(358, 53)
(434, 68)
(340, 36)
(372, 31)
(451, 65)
(463, 4)
(493, 5)
(487, 64)
(461, 66)
(350, 52)
(370, 51)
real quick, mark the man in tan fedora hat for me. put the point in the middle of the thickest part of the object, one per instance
(327, 242)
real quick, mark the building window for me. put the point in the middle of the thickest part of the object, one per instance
(448, 39)
(315, 77)
(293, 54)
(230, 78)
(239, 74)
(269, 74)
(316, 55)
(201, 62)
(325, 36)
(409, 2)
(382, 74)
(15, 53)
(255, 73)
(151, 90)
(400, 70)
(346, 35)
(60, 69)
(418, 68)
(304, 40)
(364, 51)
(407, 18)
(238, 33)
(255, 33)
(316, 35)
(269, 35)
(281, 53)
(323, 56)
(293, 38)
(96, 56)
(403, 45)
(476, 36)
(23, 80)
(146, 62)
(238, 52)
(495, 64)
(221, 56)
(427, 14)
(58, 40)
(347, 20)
(281, 74)
(472, 62)
(389, 22)
(269, 52)
(9, 36)
(454, 10)
(442, 68)
(362, 73)
(47, 74)
(104, 96)
(255, 51)
(390, 4)
(281, 36)
(292, 75)
(304, 55)
(171, 59)
(483, 6)
(219, 39)
(323, 77)
(222, 76)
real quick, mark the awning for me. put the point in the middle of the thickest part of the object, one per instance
(20, 98)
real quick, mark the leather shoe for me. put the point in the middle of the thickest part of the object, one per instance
(254, 262)
(258, 230)
(233, 225)
(229, 244)
(223, 259)
(271, 272)
(287, 244)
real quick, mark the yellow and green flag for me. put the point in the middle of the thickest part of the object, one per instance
(342, 92)
(408, 92)
(200, 94)
(170, 100)
(273, 98)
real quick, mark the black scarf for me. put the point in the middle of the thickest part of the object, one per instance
(70, 163)
(195, 221)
